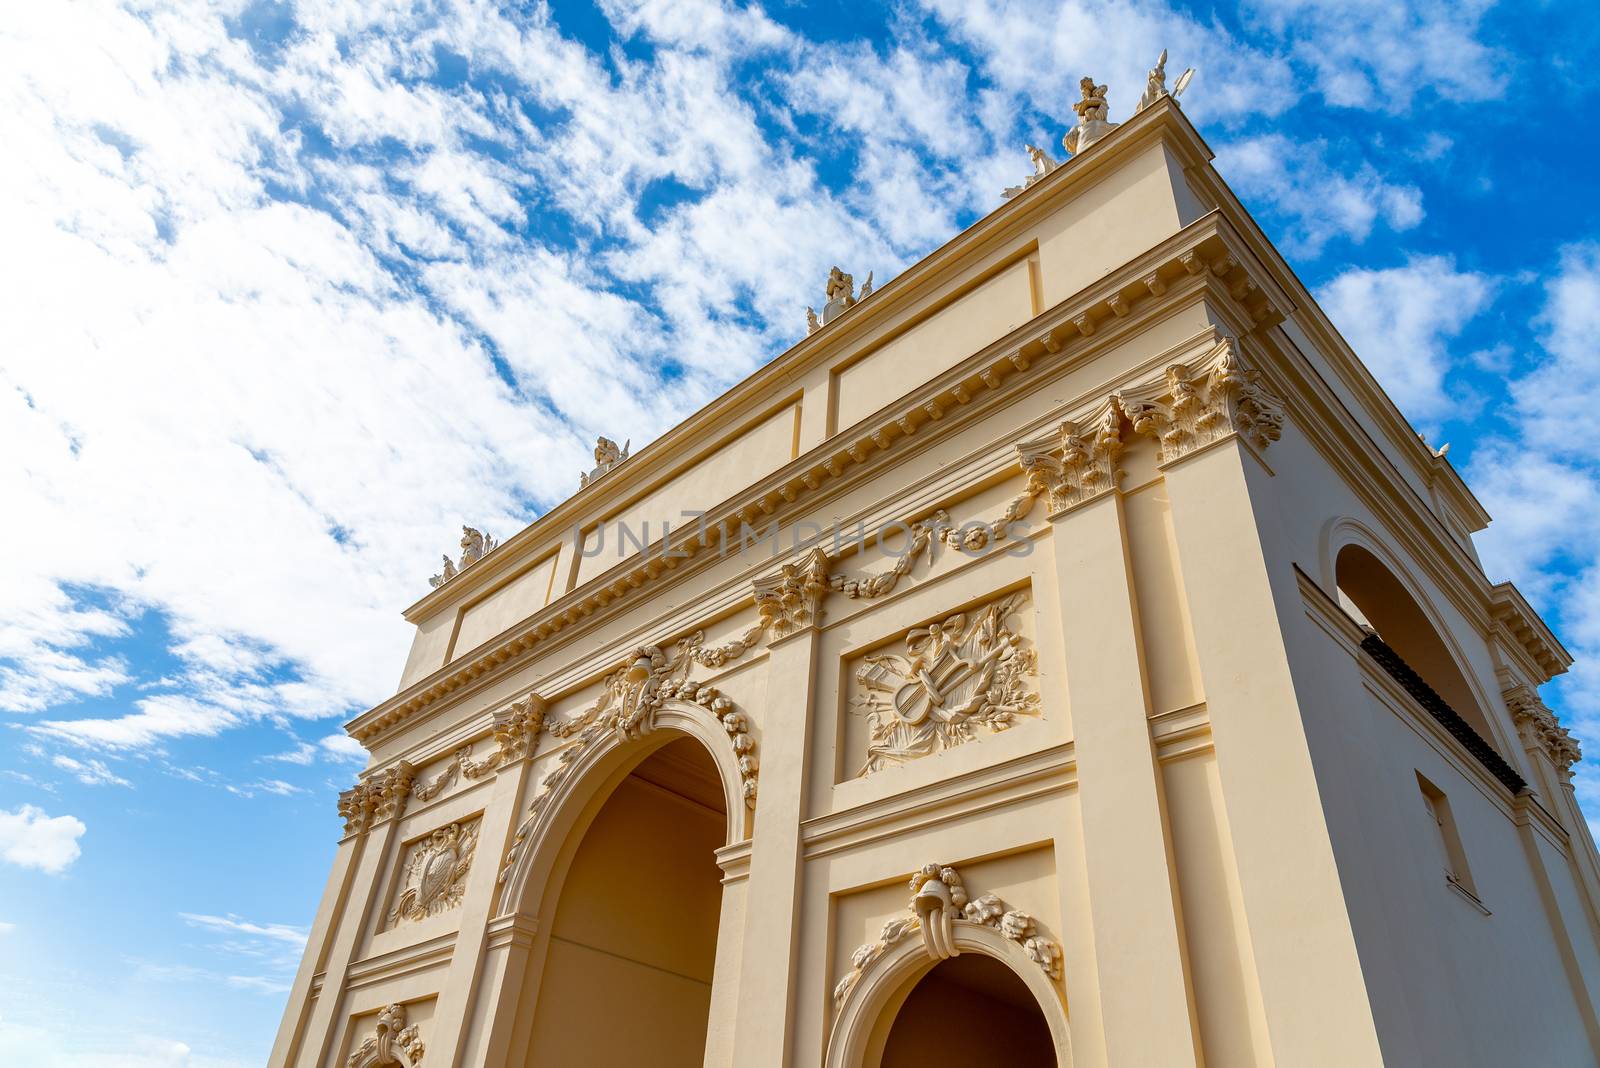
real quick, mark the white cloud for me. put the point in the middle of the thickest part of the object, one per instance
(31, 838)
(90, 772)
(1400, 321)
(1295, 179)
(343, 747)
(7, 928)
(302, 754)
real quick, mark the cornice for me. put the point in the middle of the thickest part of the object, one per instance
(1527, 631)
(1205, 260)
(922, 282)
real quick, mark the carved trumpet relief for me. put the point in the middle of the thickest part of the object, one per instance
(946, 683)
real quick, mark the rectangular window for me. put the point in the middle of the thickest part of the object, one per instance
(1447, 840)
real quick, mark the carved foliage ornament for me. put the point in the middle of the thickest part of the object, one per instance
(939, 902)
(792, 598)
(1211, 400)
(392, 1042)
(1540, 729)
(965, 674)
(434, 876)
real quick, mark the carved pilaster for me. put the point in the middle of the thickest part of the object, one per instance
(1206, 402)
(1541, 731)
(792, 599)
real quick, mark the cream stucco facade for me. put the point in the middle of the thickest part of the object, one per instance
(1121, 687)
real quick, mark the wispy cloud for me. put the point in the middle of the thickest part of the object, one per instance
(280, 932)
(90, 772)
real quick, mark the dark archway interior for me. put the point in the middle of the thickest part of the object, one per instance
(627, 979)
(1374, 597)
(970, 1009)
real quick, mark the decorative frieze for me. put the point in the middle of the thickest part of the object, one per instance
(939, 902)
(1540, 730)
(391, 1043)
(968, 674)
(434, 872)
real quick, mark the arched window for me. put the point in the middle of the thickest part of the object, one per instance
(1372, 595)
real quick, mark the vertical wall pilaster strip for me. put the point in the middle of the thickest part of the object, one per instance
(766, 1011)
(1242, 594)
(1147, 1011)
(474, 974)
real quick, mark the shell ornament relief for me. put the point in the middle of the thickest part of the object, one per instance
(967, 674)
(939, 902)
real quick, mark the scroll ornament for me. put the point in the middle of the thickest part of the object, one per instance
(515, 729)
(939, 902)
(392, 1043)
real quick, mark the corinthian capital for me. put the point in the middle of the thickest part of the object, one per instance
(1079, 460)
(1540, 730)
(1197, 404)
(792, 598)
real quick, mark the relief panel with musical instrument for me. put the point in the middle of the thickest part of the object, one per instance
(943, 684)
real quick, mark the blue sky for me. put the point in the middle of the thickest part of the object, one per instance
(290, 293)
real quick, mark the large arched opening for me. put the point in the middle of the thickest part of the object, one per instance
(1370, 593)
(970, 1009)
(628, 969)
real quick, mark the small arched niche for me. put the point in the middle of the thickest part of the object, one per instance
(970, 1009)
(1371, 594)
(627, 976)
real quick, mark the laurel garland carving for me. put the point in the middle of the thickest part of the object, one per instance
(1540, 729)
(434, 873)
(938, 903)
(391, 1043)
(514, 731)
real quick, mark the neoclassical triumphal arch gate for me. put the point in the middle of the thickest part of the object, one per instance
(1064, 654)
